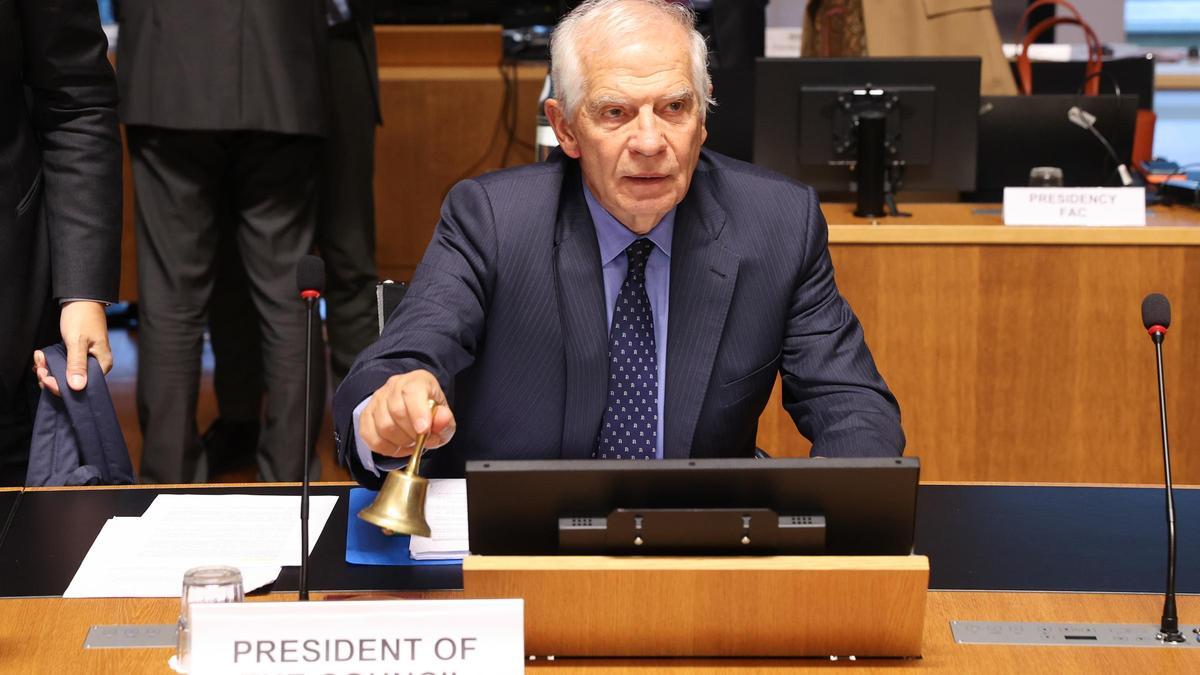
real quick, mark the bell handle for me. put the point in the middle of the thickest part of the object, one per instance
(414, 462)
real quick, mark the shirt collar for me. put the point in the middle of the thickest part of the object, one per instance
(614, 237)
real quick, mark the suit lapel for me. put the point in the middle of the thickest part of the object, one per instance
(581, 306)
(703, 276)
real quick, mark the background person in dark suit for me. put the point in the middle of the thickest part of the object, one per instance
(225, 107)
(512, 304)
(345, 240)
(60, 204)
(346, 230)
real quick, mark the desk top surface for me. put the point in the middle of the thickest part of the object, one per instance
(8, 507)
(961, 223)
(973, 533)
(53, 530)
(978, 537)
(45, 635)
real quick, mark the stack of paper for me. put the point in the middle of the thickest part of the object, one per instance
(446, 513)
(146, 557)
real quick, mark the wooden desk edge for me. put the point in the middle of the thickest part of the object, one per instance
(889, 233)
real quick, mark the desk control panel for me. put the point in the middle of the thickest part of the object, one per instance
(131, 636)
(751, 531)
(1068, 634)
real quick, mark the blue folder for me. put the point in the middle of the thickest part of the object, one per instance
(366, 544)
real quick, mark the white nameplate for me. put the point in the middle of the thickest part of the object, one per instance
(783, 41)
(1075, 206)
(464, 637)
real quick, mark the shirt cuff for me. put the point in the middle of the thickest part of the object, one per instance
(63, 301)
(371, 461)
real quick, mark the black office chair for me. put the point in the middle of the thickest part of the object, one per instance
(388, 295)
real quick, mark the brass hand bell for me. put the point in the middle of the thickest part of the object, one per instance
(399, 508)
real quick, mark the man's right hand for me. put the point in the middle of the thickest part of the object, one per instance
(398, 412)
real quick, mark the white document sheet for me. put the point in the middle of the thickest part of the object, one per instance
(446, 513)
(113, 567)
(147, 556)
(250, 528)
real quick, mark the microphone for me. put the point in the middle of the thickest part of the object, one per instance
(1084, 119)
(1156, 317)
(310, 282)
(310, 277)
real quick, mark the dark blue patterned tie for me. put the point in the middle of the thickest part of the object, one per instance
(630, 424)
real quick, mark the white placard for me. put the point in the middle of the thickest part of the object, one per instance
(1075, 206)
(783, 41)
(464, 637)
(1039, 52)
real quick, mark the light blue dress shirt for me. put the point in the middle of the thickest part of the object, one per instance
(613, 238)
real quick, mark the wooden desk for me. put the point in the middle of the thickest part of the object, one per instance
(1182, 75)
(44, 635)
(1017, 354)
(1033, 538)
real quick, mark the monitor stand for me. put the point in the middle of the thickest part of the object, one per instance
(876, 177)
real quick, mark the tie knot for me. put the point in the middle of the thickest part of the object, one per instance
(638, 253)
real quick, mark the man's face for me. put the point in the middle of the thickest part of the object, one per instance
(637, 131)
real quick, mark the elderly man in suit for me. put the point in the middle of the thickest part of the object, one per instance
(224, 103)
(633, 297)
(60, 205)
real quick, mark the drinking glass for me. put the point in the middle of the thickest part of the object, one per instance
(1045, 176)
(213, 583)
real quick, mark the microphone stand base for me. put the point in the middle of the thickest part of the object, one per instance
(1073, 634)
(1170, 636)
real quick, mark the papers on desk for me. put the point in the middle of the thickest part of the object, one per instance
(146, 557)
(446, 513)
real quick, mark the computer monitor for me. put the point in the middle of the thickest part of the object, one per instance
(1129, 75)
(512, 13)
(810, 116)
(859, 506)
(1017, 133)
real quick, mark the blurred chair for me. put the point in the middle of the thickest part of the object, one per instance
(388, 295)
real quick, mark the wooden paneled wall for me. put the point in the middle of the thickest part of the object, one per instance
(443, 95)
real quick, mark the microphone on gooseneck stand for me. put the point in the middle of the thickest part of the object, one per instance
(1156, 317)
(310, 281)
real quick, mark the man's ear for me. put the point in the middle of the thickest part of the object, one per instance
(557, 116)
(704, 119)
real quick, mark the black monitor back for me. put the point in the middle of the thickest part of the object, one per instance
(511, 13)
(1131, 75)
(869, 504)
(1017, 133)
(796, 118)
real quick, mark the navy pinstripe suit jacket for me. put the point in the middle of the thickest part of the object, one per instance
(507, 310)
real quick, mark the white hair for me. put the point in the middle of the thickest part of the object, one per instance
(610, 19)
